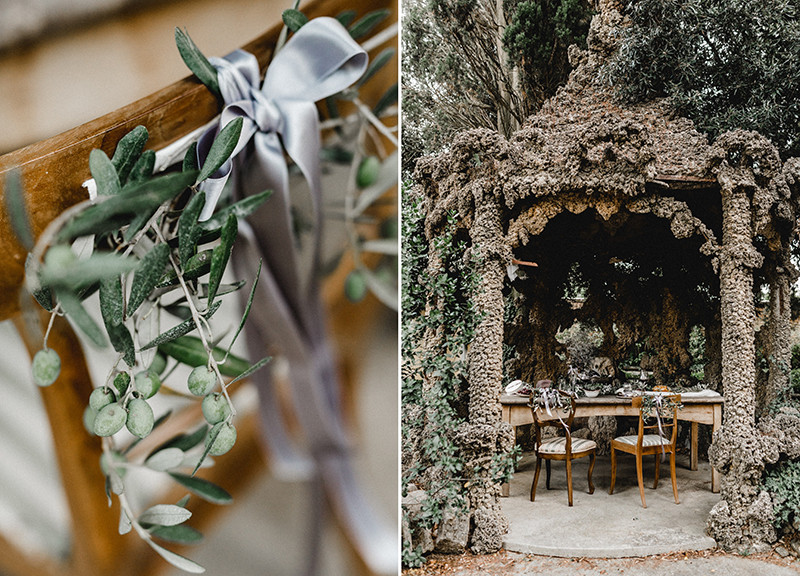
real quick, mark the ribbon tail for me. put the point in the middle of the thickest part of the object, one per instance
(302, 141)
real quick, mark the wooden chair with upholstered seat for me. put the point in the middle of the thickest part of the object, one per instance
(656, 435)
(558, 412)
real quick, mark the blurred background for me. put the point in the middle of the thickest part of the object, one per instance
(63, 63)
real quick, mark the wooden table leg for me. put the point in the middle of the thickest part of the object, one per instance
(505, 487)
(716, 425)
(693, 450)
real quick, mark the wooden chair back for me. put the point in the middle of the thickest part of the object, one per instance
(661, 420)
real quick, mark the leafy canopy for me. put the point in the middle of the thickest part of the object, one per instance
(723, 63)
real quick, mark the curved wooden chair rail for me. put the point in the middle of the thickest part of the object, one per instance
(52, 173)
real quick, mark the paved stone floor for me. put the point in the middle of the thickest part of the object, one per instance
(611, 526)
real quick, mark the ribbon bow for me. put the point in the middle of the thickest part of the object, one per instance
(320, 60)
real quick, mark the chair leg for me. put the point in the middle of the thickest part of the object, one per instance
(613, 470)
(674, 479)
(569, 481)
(658, 465)
(591, 468)
(640, 478)
(536, 478)
(547, 478)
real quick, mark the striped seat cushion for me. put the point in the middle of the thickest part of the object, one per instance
(559, 445)
(647, 440)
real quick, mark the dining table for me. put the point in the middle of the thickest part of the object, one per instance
(698, 407)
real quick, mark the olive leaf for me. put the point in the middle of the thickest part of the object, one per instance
(346, 17)
(124, 523)
(294, 19)
(197, 62)
(221, 255)
(180, 534)
(241, 209)
(83, 273)
(198, 265)
(147, 276)
(183, 442)
(111, 309)
(135, 198)
(144, 167)
(210, 439)
(188, 229)
(176, 560)
(74, 309)
(222, 148)
(247, 307)
(128, 151)
(376, 64)
(180, 330)
(17, 209)
(190, 158)
(254, 368)
(165, 515)
(368, 23)
(189, 350)
(382, 246)
(111, 301)
(203, 488)
(165, 459)
(389, 98)
(104, 173)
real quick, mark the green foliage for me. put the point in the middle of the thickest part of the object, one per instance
(196, 61)
(537, 37)
(782, 481)
(439, 321)
(458, 65)
(724, 64)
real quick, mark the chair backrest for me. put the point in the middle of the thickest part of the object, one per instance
(553, 407)
(658, 416)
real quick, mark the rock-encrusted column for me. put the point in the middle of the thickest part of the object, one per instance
(484, 435)
(780, 348)
(741, 521)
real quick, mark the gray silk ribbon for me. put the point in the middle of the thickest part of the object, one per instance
(287, 318)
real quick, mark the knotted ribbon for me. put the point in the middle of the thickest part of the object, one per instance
(287, 318)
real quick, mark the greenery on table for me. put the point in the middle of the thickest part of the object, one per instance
(140, 247)
(724, 64)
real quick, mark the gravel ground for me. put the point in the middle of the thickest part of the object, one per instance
(708, 562)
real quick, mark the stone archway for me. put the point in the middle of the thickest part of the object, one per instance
(734, 203)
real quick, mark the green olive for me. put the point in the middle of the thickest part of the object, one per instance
(147, 383)
(46, 367)
(368, 171)
(159, 364)
(202, 381)
(101, 397)
(60, 257)
(226, 438)
(215, 408)
(88, 419)
(355, 286)
(110, 419)
(140, 418)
